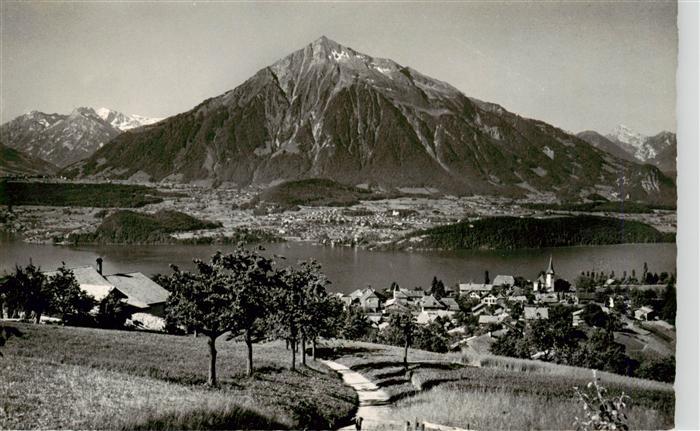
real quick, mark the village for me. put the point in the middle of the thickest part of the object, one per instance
(477, 314)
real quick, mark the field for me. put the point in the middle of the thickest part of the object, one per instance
(490, 392)
(60, 377)
(627, 207)
(104, 195)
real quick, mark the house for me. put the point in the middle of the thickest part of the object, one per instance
(465, 288)
(366, 298)
(450, 303)
(478, 309)
(143, 294)
(518, 298)
(576, 318)
(644, 313)
(504, 280)
(395, 305)
(536, 313)
(429, 316)
(430, 303)
(488, 320)
(90, 281)
(489, 299)
(585, 297)
(412, 295)
(144, 297)
(475, 295)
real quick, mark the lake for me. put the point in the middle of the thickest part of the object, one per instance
(351, 268)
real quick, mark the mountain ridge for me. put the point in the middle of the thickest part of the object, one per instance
(65, 139)
(328, 111)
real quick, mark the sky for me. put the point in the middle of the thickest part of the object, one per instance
(577, 65)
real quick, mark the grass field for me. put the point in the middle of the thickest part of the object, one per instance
(60, 377)
(78, 195)
(492, 392)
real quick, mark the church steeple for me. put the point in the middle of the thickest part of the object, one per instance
(550, 267)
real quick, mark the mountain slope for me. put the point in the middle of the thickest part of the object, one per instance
(328, 111)
(16, 163)
(65, 139)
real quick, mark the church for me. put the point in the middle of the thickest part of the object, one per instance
(545, 281)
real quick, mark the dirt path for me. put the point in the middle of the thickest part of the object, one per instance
(374, 408)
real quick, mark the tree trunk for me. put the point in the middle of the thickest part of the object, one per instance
(303, 349)
(313, 349)
(212, 361)
(405, 354)
(249, 344)
(294, 354)
(37, 317)
(286, 343)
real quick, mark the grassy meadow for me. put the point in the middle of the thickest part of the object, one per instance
(60, 377)
(492, 392)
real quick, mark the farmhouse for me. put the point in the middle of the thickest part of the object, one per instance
(465, 288)
(644, 313)
(504, 280)
(145, 298)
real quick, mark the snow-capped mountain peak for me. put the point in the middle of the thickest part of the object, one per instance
(122, 121)
(628, 136)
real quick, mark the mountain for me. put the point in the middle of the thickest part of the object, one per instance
(124, 122)
(65, 139)
(16, 163)
(602, 143)
(658, 150)
(328, 111)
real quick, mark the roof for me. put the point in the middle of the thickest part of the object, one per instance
(429, 316)
(450, 303)
(412, 293)
(139, 289)
(431, 302)
(90, 281)
(536, 313)
(550, 267)
(504, 280)
(645, 309)
(470, 287)
(484, 319)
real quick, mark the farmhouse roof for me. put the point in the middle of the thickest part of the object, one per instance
(90, 281)
(139, 289)
(471, 287)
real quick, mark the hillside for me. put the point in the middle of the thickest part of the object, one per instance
(80, 378)
(509, 233)
(14, 163)
(129, 227)
(328, 111)
(503, 393)
(77, 194)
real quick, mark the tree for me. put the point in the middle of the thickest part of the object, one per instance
(432, 337)
(437, 288)
(601, 352)
(668, 304)
(292, 313)
(253, 281)
(112, 311)
(404, 323)
(355, 324)
(661, 369)
(561, 285)
(201, 301)
(26, 290)
(584, 284)
(67, 299)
